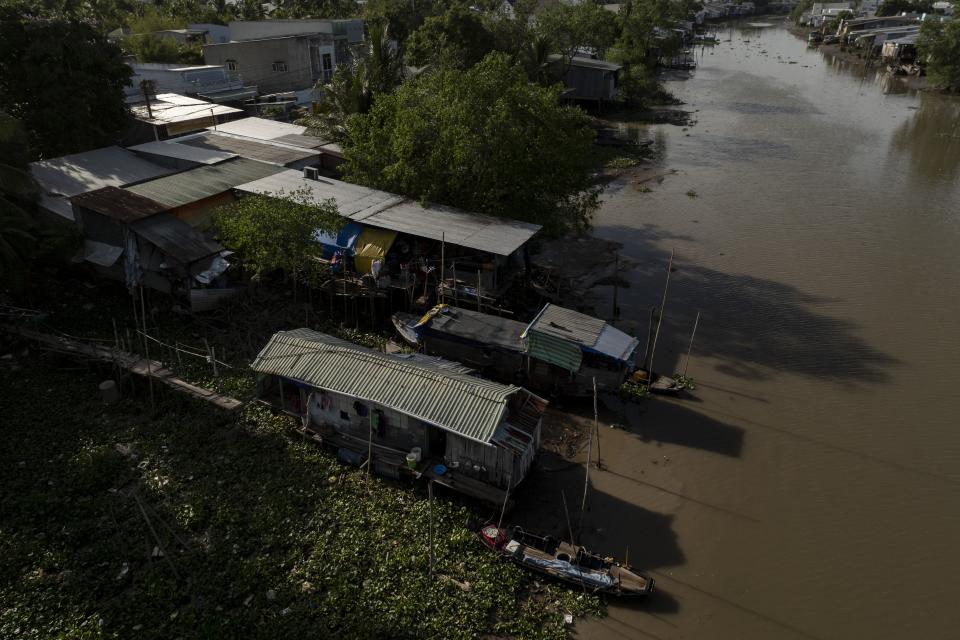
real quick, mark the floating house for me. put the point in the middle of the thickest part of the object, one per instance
(406, 415)
(561, 351)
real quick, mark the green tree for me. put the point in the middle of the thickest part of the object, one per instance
(939, 45)
(17, 193)
(147, 47)
(896, 7)
(483, 139)
(403, 17)
(572, 27)
(374, 69)
(276, 231)
(458, 37)
(62, 79)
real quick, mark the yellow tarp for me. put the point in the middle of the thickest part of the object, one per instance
(371, 244)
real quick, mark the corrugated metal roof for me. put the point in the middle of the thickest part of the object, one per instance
(263, 150)
(385, 210)
(567, 324)
(176, 238)
(477, 326)
(118, 204)
(260, 128)
(555, 325)
(587, 63)
(172, 149)
(168, 108)
(615, 343)
(554, 350)
(90, 170)
(468, 406)
(196, 184)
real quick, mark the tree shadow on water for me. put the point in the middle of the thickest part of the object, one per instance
(747, 322)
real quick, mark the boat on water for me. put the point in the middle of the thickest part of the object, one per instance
(657, 383)
(560, 351)
(565, 561)
(814, 37)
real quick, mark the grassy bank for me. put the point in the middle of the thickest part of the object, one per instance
(194, 523)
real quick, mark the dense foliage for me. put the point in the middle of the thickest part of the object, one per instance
(939, 45)
(114, 524)
(484, 139)
(375, 68)
(896, 7)
(275, 231)
(62, 79)
(458, 37)
(17, 192)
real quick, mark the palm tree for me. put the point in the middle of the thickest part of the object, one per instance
(375, 68)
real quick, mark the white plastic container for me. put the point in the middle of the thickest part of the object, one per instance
(412, 460)
(416, 451)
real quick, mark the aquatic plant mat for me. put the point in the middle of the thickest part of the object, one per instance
(202, 523)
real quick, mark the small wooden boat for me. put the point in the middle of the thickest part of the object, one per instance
(565, 561)
(659, 383)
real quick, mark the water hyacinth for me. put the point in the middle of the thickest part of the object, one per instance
(180, 525)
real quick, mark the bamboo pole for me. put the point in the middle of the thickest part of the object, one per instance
(146, 350)
(586, 484)
(443, 272)
(430, 509)
(506, 498)
(596, 422)
(370, 443)
(663, 304)
(616, 278)
(690, 346)
(566, 512)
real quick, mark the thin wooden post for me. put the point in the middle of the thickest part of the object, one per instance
(506, 498)
(210, 355)
(456, 300)
(690, 346)
(596, 422)
(616, 278)
(370, 443)
(586, 484)
(116, 336)
(566, 512)
(443, 257)
(430, 509)
(213, 358)
(179, 360)
(663, 304)
(146, 349)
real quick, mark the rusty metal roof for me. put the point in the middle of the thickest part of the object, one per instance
(446, 398)
(118, 204)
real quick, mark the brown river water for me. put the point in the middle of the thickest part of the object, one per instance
(810, 488)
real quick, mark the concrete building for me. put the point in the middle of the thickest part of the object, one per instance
(210, 82)
(285, 55)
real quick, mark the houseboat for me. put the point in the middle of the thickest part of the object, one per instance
(404, 415)
(560, 352)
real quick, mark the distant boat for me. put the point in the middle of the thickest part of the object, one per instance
(705, 39)
(814, 37)
(565, 561)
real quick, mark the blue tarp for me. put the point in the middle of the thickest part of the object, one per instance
(345, 240)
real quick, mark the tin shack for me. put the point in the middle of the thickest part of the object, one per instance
(406, 414)
(560, 352)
